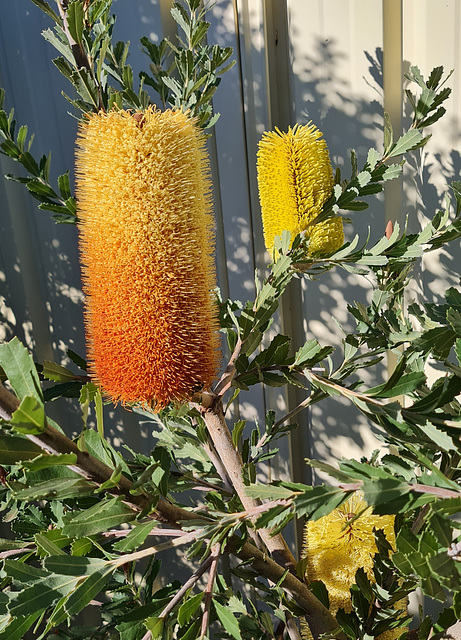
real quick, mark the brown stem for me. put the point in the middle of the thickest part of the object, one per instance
(229, 373)
(214, 556)
(213, 417)
(292, 629)
(53, 441)
(317, 616)
(187, 585)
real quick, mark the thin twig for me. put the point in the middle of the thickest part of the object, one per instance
(214, 556)
(155, 531)
(292, 628)
(144, 553)
(187, 585)
(229, 372)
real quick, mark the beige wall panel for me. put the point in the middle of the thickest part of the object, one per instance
(336, 49)
(432, 31)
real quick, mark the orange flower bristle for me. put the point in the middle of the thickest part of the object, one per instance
(146, 244)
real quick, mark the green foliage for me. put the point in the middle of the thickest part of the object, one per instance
(187, 74)
(16, 146)
(184, 75)
(89, 523)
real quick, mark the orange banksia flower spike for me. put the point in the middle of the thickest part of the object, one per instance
(295, 179)
(146, 244)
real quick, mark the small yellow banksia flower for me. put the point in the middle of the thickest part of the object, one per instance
(336, 545)
(146, 243)
(295, 179)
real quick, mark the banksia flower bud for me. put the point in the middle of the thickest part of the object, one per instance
(295, 179)
(338, 544)
(146, 244)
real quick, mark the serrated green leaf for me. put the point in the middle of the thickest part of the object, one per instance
(372, 158)
(385, 492)
(87, 590)
(189, 608)
(268, 492)
(35, 598)
(17, 627)
(20, 370)
(406, 384)
(13, 449)
(306, 352)
(75, 20)
(81, 546)
(46, 460)
(237, 431)
(155, 626)
(101, 517)
(319, 501)
(45, 7)
(454, 318)
(64, 186)
(458, 349)
(46, 544)
(135, 537)
(57, 372)
(29, 417)
(228, 620)
(70, 487)
(408, 141)
(440, 438)
(74, 565)
(24, 573)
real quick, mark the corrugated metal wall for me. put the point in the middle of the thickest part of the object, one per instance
(335, 62)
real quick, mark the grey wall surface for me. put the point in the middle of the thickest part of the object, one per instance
(299, 60)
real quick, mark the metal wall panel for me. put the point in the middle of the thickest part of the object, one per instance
(298, 60)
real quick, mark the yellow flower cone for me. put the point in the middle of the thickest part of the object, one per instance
(337, 545)
(295, 179)
(146, 244)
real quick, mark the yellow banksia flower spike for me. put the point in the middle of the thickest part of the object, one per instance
(338, 544)
(146, 244)
(295, 179)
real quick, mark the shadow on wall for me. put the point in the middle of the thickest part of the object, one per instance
(350, 121)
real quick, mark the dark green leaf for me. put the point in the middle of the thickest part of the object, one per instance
(56, 372)
(20, 369)
(24, 573)
(74, 565)
(406, 384)
(46, 460)
(45, 7)
(56, 488)
(64, 186)
(228, 620)
(135, 538)
(15, 448)
(101, 517)
(29, 417)
(189, 608)
(75, 20)
(18, 627)
(268, 492)
(87, 590)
